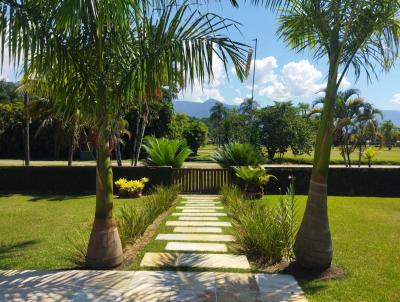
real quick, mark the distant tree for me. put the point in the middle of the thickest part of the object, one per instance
(248, 106)
(179, 123)
(218, 113)
(9, 92)
(282, 128)
(389, 133)
(195, 135)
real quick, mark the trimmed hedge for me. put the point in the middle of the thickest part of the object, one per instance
(72, 180)
(382, 182)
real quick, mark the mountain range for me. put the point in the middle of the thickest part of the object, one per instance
(202, 109)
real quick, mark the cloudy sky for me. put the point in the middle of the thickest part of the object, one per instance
(282, 74)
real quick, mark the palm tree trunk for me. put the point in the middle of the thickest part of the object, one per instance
(140, 141)
(118, 150)
(135, 142)
(105, 248)
(27, 158)
(313, 245)
(71, 149)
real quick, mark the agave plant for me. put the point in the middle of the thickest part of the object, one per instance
(254, 179)
(165, 152)
(235, 154)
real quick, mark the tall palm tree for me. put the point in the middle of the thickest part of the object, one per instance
(218, 113)
(110, 52)
(360, 36)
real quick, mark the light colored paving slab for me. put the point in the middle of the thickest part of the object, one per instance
(152, 286)
(196, 237)
(201, 204)
(196, 247)
(199, 213)
(199, 223)
(195, 260)
(200, 208)
(197, 230)
(197, 218)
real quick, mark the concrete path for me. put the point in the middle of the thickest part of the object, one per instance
(200, 249)
(146, 286)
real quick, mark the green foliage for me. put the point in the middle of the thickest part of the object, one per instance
(133, 221)
(179, 123)
(390, 133)
(263, 232)
(253, 177)
(195, 135)
(235, 154)
(8, 92)
(165, 152)
(282, 128)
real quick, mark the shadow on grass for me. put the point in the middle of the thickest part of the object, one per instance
(48, 197)
(8, 250)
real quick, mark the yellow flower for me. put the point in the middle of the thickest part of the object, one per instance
(121, 182)
(144, 180)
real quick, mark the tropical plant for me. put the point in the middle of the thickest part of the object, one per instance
(236, 154)
(218, 113)
(369, 154)
(265, 233)
(165, 152)
(254, 178)
(363, 35)
(100, 55)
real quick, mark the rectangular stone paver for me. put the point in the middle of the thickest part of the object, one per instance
(196, 237)
(198, 218)
(199, 223)
(198, 211)
(196, 247)
(197, 230)
(228, 261)
(200, 208)
(199, 214)
(202, 204)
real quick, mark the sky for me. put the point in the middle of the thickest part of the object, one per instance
(281, 73)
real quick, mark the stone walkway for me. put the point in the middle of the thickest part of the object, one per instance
(198, 239)
(146, 286)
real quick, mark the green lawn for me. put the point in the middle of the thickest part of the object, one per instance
(34, 229)
(366, 242)
(366, 238)
(384, 157)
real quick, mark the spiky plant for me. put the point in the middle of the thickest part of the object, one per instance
(235, 154)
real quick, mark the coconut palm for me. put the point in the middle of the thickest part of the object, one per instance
(109, 53)
(361, 36)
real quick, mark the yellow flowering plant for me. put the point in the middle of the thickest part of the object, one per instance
(132, 188)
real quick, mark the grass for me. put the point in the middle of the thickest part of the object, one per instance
(366, 242)
(35, 230)
(384, 157)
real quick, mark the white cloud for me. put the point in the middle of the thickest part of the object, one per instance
(396, 98)
(7, 72)
(199, 93)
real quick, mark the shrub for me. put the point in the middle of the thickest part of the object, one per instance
(133, 220)
(165, 152)
(369, 155)
(132, 188)
(263, 232)
(195, 135)
(77, 243)
(254, 178)
(235, 154)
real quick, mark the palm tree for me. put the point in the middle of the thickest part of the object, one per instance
(348, 107)
(218, 113)
(248, 106)
(109, 53)
(361, 35)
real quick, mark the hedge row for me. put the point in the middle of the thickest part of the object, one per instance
(383, 182)
(72, 180)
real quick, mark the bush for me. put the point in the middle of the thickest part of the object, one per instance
(235, 154)
(165, 152)
(264, 233)
(133, 220)
(254, 179)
